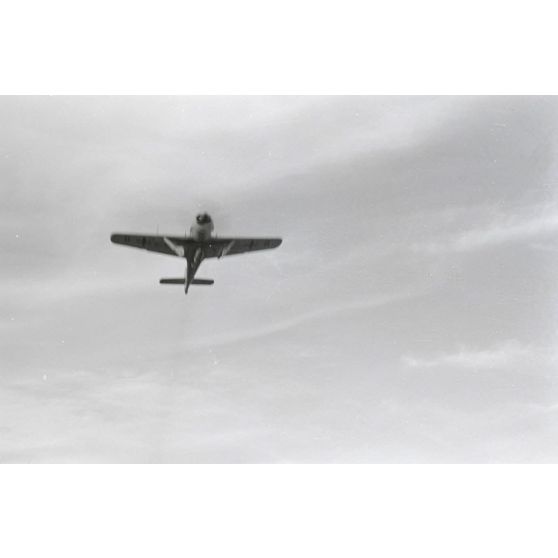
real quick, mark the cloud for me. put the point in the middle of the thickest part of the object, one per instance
(501, 230)
(500, 356)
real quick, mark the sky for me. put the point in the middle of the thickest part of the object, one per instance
(410, 315)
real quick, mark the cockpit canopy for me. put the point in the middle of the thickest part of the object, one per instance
(203, 218)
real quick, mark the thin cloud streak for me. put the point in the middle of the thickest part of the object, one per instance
(310, 316)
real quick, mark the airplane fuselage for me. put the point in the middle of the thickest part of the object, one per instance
(200, 231)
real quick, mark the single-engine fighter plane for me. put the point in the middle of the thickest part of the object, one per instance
(195, 247)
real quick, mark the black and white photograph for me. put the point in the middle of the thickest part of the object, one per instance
(279, 279)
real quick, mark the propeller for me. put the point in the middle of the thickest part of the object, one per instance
(220, 214)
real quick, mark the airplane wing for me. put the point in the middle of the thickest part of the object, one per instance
(219, 247)
(177, 246)
(171, 245)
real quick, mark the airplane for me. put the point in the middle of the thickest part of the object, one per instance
(195, 247)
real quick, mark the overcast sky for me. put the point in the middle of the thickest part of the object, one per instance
(409, 316)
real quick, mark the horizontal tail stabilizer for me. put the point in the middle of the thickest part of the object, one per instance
(179, 281)
(203, 282)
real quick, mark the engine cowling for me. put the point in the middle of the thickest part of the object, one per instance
(202, 229)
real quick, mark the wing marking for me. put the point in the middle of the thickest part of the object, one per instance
(178, 250)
